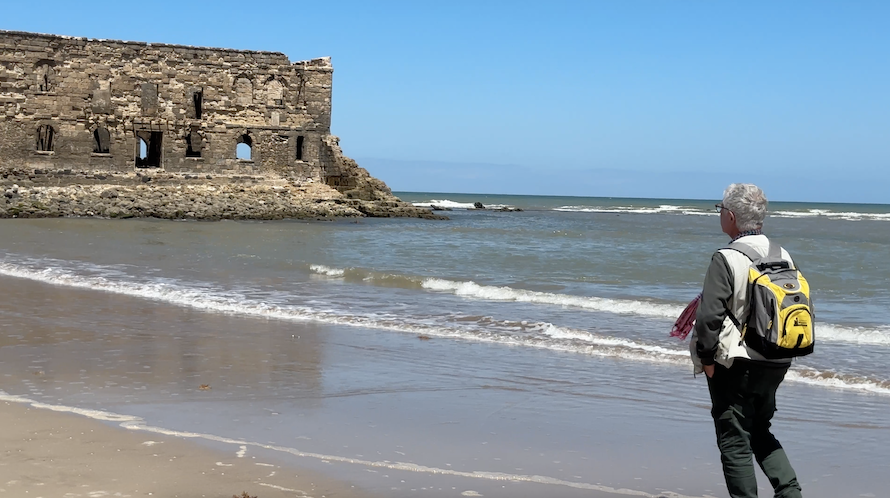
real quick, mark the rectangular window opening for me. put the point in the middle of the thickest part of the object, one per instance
(300, 148)
(45, 137)
(101, 141)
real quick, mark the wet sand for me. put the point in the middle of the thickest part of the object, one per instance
(55, 454)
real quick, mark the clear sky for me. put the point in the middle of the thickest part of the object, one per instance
(622, 98)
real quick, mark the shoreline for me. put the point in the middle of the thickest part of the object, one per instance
(47, 453)
(176, 196)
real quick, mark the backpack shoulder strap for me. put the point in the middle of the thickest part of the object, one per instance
(775, 252)
(748, 251)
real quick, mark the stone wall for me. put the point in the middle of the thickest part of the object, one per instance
(99, 105)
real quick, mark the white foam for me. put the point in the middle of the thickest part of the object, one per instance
(811, 377)
(445, 203)
(825, 213)
(325, 270)
(625, 307)
(226, 302)
(878, 336)
(686, 210)
(547, 335)
(664, 208)
(560, 333)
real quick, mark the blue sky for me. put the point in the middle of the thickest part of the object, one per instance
(623, 98)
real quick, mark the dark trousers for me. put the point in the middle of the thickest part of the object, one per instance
(743, 401)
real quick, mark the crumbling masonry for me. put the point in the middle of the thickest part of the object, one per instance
(119, 106)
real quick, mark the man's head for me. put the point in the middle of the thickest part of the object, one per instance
(744, 208)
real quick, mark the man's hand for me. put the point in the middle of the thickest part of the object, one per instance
(709, 370)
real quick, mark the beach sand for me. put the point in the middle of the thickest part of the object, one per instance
(49, 454)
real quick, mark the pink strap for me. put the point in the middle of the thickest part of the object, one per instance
(684, 324)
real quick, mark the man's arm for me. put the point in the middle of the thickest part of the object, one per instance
(716, 295)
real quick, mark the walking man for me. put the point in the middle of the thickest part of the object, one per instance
(742, 383)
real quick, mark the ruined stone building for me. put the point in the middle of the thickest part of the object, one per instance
(123, 106)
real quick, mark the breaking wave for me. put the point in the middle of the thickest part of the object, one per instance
(874, 336)
(698, 211)
(448, 204)
(542, 335)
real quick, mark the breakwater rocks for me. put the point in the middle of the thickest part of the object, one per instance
(43, 194)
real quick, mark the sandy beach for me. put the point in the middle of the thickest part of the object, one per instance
(56, 454)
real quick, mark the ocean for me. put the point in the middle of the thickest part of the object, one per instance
(520, 353)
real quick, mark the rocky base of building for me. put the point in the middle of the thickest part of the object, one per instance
(44, 194)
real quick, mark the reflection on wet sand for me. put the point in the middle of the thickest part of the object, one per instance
(111, 345)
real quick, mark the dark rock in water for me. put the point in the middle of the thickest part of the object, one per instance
(478, 205)
(509, 209)
(439, 208)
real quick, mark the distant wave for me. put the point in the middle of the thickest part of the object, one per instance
(696, 211)
(664, 208)
(541, 335)
(445, 203)
(816, 213)
(875, 336)
(672, 209)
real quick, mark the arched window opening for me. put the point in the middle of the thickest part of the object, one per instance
(195, 144)
(101, 141)
(148, 152)
(300, 148)
(244, 149)
(45, 137)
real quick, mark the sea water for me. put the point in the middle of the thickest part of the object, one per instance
(519, 353)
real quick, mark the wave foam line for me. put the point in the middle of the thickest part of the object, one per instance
(226, 303)
(838, 381)
(489, 292)
(685, 210)
(664, 208)
(554, 338)
(445, 203)
(326, 270)
(138, 424)
(877, 336)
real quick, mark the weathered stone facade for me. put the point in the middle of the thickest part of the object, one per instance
(82, 104)
(122, 129)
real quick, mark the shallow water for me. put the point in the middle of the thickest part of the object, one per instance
(467, 354)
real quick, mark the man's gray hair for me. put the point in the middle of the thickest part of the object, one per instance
(748, 203)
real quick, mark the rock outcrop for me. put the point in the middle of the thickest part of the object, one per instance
(33, 194)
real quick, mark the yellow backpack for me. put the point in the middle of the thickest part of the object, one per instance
(780, 311)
